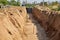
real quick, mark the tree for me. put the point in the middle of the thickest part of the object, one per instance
(35, 2)
(13, 2)
(43, 4)
(18, 2)
(55, 3)
(3, 2)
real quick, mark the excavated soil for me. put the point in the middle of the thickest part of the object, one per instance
(16, 25)
(49, 20)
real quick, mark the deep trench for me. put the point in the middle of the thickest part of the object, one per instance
(41, 32)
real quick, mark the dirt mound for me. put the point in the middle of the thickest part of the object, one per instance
(42, 8)
(13, 25)
(49, 20)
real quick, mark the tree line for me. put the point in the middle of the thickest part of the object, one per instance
(11, 2)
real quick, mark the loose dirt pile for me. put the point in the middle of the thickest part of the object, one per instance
(14, 25)
(50, 21)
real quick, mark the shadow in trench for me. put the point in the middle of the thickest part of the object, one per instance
(29, 10)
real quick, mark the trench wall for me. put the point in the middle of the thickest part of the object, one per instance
(14, 24)
(50, 21)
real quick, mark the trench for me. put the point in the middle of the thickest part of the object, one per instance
(40, 31)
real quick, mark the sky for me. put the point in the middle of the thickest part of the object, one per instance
(38, 1)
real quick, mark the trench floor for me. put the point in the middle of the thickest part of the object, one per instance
(40, 31)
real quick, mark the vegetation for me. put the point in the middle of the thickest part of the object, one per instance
(30, 5)
(53, 5)
(3, 2)
(18, 2)
(11, 2)
(45, 3)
